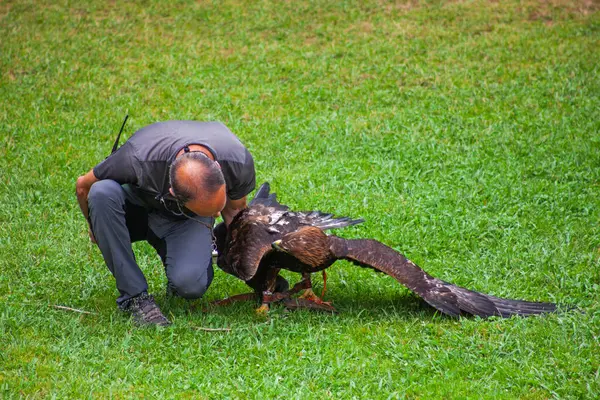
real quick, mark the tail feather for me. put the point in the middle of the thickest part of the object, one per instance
(446, 297)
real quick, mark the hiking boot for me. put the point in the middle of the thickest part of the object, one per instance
(145, 311)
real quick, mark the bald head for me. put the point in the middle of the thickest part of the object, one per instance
(198, 183)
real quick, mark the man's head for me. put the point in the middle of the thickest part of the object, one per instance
(197, 182)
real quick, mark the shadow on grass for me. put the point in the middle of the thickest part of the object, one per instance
(379, 306)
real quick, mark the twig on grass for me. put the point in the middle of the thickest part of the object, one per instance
(73, 309)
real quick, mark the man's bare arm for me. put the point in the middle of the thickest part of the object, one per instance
(232, 207)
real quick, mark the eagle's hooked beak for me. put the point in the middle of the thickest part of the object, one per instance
(277, 245)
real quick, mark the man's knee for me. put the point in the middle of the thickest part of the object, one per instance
(190, 283)
(105, 192)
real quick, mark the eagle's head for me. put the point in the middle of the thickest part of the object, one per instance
(310, 245)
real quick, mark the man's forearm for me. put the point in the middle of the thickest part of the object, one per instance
(82, 189)
(83, 204)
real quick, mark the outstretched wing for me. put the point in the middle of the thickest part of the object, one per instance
(446, 297)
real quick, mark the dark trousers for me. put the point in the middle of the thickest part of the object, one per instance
(119, 216)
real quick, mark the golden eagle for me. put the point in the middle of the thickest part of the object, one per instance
(267, 237)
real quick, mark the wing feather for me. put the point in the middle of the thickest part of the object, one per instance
(446, 297)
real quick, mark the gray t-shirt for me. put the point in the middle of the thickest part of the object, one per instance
(144, 160)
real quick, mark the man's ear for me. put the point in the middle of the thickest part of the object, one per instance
(172, 192)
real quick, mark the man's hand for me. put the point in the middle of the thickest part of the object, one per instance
(82, 188)
(232, 207)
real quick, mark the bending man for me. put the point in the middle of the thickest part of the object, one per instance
(165, 185)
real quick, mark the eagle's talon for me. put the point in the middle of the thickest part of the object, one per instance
(263, 310)
(311, 296)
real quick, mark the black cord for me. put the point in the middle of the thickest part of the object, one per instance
(119, 135)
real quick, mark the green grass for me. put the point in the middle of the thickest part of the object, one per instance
(466, 133)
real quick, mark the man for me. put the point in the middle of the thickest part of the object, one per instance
(166, 185)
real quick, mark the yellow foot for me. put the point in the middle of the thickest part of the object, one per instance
(263, 310)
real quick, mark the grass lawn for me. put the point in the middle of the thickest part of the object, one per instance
(465, 133)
